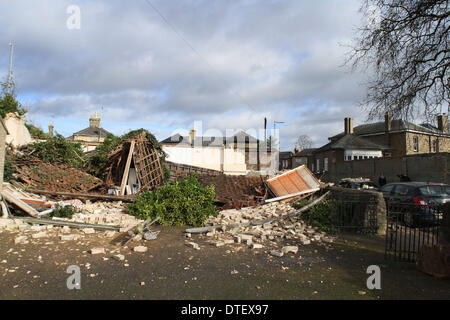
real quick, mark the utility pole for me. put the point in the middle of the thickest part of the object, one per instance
(9, 84)
(274, 123)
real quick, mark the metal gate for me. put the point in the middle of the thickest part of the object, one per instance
(409, 226)
(355, 216)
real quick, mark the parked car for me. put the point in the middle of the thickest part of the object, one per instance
(357, 184)
(421, 203)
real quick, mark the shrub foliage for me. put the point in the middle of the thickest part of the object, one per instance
(322, 215)
(180, 203)
(58, 149)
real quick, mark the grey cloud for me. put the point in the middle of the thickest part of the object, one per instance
(268, 58)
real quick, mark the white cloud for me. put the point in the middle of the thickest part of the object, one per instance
(279, 59)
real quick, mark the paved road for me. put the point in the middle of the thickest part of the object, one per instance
(172, 270)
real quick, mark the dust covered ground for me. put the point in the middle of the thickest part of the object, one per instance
(172, 270)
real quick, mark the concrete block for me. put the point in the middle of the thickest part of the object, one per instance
(119, 257)
(219, 244)
(276, 253)
(39, 235)
(290, 249)
(69, 237)
(140, 249)
(88, 230)
(193, 245)
(21, 240)
(97, 251)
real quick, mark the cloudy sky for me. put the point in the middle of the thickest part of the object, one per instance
(226, 63)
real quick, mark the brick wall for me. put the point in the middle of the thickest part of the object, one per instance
(177, 169)
(425, 167)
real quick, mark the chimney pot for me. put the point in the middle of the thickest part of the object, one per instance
(442, 120)
(191, 136)
(94, 121)
(348, 125)
(387, 121)
(50, 130)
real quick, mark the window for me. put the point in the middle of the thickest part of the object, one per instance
(318, 164)
(325, 164)
(312, 167)
(387, 188)
(434, 146)
(416, 144)
(285, 164)
(401, 190)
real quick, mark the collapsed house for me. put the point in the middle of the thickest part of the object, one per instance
(39, 175)
(134, 166)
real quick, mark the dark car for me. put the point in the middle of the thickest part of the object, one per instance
(421, 203)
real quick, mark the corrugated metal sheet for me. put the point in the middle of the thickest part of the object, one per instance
(294, 181)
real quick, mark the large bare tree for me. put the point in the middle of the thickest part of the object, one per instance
(304, 142)
(406, 43)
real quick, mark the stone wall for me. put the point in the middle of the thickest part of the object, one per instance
(366, 200)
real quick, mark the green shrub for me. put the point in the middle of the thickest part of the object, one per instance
(322, 215)
(64, 211)
(99, 158)
(36, 132)
(181, 203)
(9, 103)
(58, 149)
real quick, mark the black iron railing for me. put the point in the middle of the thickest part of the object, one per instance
(409, 227)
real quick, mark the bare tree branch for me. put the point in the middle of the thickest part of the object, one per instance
(409, 50)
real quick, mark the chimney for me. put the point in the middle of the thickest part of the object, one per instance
(387, 121)
(442, 122)
(94, 121)
(348, 125)
(50, 130)
(191, 136)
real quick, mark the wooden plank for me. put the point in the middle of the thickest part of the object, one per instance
(71, 224)
(127, 168)
(19, 203)
(293, 195)
(93, 196)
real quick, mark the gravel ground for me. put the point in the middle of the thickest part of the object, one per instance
(171, 270)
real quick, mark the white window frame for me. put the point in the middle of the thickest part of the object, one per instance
(416, 143)
(325, 164)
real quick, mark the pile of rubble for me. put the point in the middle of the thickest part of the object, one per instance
(53, 177)
(263, 227)
(92, 214)
(232, 191)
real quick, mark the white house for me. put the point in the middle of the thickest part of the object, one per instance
(235, 155)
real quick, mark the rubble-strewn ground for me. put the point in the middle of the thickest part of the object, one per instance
(169, 269)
